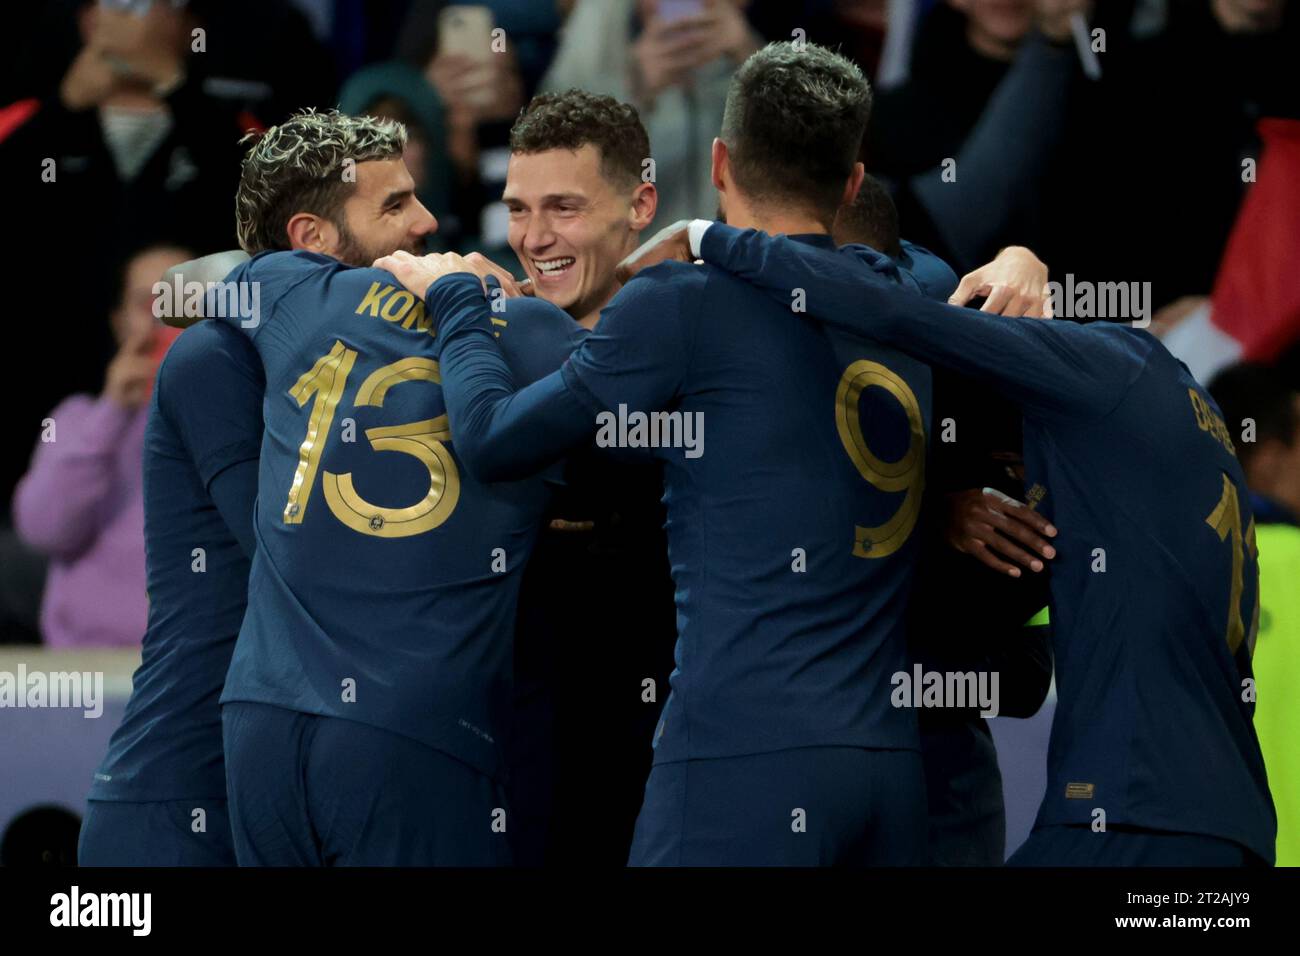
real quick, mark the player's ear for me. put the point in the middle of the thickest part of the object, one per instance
(310, 232)
(853, 184)
(645, 203)
(720, 162)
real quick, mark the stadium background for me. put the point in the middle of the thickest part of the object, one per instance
(1138, 175)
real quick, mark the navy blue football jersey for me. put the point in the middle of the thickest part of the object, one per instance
(790, 519)
(201, 447)
(385, 578)
(1155, 584)
(921, 269)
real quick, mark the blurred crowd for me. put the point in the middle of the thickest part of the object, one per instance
(1116, 138)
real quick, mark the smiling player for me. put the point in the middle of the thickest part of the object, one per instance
(366, 708)
(778, 743)
(578, 203)
(1153, 758)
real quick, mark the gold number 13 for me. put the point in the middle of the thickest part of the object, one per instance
(1225, 519)
(422, 440)
(907, 474)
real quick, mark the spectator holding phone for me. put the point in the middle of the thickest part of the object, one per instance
(467, 58)
(81, 501)
(673, 59)
(131, 144)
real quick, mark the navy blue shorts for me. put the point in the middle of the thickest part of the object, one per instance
(161, 833)
(964, 790)
(307, 790)
(1078, 845)
(812, 806)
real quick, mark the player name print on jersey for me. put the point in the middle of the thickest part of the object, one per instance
(394, 304)
(1208, 420)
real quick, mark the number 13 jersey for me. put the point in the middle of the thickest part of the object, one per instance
(384, 582)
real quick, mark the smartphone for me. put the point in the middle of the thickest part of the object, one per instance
(466, 30)
(670, 10)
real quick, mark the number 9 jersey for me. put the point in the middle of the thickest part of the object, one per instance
(385, 578)
(792, 509)
(1155, 584)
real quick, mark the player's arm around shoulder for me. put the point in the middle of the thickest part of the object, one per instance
(536, 336)
(209, 389)
(936, 278)
(664, 298)
(450, 287)
(640, 350)
(209, 393)
(205, 364)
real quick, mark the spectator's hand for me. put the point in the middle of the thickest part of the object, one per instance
(667, 51)
(507, 90)
(1015, 283)
(1053, 17)
(131, 373)
(477, 91)
(89, 80)
(991, 527)
(417, 273)
(446, 74)
(732, 35)
(671, 242)
(150, 48)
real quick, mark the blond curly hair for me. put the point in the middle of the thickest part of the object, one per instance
(302, 165)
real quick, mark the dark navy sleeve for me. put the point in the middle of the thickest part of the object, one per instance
(935, 277)
(536, 337)
(636, 357)
(234, 492)
(499, 434)
(1050, 368)
(640, 350)
(210, 389)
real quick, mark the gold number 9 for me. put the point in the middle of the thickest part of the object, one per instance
(907, 474)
